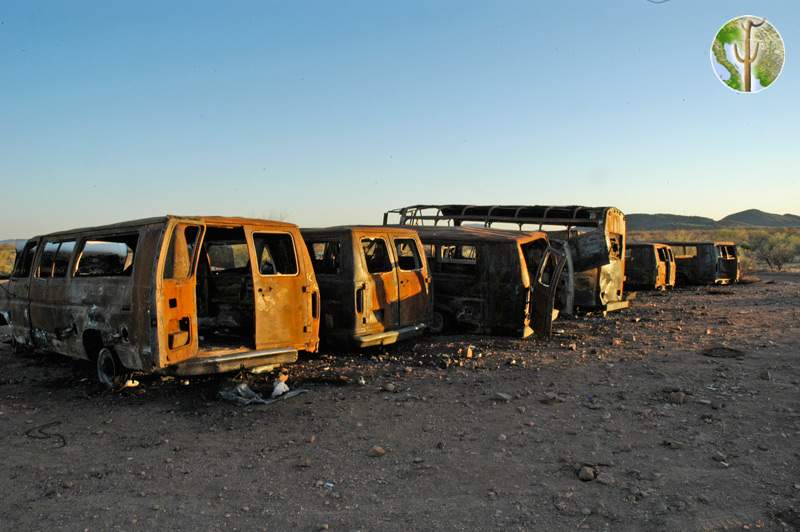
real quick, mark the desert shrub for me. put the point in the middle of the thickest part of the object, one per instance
(775, 249)
(7, 255)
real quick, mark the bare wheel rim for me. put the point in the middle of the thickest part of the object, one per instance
(106, 367)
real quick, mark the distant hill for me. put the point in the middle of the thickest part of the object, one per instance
(748, 218)
(756, 218)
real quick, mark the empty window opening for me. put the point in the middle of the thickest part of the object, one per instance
(22, 268)
(107, 256)
(181, 251)
(408, 258)
(458, 258)
(62, 258)
(275, 253)
(47, 260)
(325, 256)
(376, 255)
(533, 252)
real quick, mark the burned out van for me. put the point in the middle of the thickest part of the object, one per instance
(491, 281)
(649, 266)
(374, 282)
(705, 262)
(592, 238)
(186, 295)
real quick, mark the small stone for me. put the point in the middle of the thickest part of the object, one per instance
(377, 451)
(586, 511)
(572, 346)
(408, 369)
(616, 342)
(762, 447)
(677, 398)
(503, 396)
(502, 437)
(389, 387)
(765, 375)
(324, 526)
(587, 473)
(719, 457)
(418, 460)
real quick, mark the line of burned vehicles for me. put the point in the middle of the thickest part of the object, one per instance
(195, 295)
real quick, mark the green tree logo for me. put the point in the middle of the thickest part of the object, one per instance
(747, 54)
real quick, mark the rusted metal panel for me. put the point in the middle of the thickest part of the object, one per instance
(705, 262)
(109, 287)
(649, 266)
(374, 281)
(595, 237)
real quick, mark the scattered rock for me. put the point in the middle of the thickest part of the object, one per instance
(587, 473)
(551, 398)
(673, 444)
(377, 451)
(765, 375)
(677, 398)
(503, 397)
(389, 387)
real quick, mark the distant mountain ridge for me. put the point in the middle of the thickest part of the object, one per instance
(748, 218)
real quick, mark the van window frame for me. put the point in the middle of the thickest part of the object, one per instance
(81, 247)
(416, 250)
(327, 242)
(390, 259)
(22, 256)
(167, 242)
(257, 264)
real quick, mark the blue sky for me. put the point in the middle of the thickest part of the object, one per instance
(331, 112)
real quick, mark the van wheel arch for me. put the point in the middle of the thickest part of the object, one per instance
(92, 343)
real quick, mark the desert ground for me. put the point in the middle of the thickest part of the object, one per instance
(680, 413)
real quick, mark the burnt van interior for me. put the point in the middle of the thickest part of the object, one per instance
(225, 311)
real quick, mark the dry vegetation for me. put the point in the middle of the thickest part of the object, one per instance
(759, 248)
(7, 255)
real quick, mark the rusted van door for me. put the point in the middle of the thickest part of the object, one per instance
(413, 281)
(177, 297)
(282, 298)
(383, 292)
(544, 291)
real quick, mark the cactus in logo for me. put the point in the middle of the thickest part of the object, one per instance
(748, 59)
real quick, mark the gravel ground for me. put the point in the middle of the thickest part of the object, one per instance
(681, 413)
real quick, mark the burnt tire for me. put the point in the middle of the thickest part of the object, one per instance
(110, 371)
(437, 323)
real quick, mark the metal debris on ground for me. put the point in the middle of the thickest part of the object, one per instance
(244, 395)
(722, 351)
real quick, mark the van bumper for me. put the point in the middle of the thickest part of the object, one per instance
(234, 362)
(389, 337)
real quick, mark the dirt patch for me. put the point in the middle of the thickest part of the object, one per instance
(617, 423)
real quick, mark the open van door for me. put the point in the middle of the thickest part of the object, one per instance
(177, 296)
(283, 298)
(544, 291)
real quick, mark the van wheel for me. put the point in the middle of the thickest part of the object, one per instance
(437, 323)
(110, 371)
